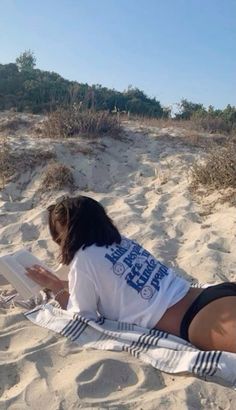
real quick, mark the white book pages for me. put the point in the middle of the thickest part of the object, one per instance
(12, 267)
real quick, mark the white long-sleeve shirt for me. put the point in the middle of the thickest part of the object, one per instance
(123, 282)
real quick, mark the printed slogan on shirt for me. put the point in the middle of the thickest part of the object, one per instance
(138, 267)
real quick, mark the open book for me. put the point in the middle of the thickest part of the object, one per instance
(12, 267)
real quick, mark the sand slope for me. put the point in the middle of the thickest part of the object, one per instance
(142, 179)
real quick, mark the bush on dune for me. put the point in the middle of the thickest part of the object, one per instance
(218, 171)
(57, 176)
(72, 121)
(14, 162)
(211, 120)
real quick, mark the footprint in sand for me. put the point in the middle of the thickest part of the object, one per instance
(220, 245)
(9, 377)
(106, 378)
(29, 232)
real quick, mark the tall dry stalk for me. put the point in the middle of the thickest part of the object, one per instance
(5, 163)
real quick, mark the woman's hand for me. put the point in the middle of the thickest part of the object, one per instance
(44, 278)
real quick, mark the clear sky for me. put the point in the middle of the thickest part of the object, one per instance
(168, 48)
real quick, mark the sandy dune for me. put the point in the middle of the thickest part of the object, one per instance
(142, 179)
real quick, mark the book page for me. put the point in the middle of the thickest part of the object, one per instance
(27, 259)
(16, 275)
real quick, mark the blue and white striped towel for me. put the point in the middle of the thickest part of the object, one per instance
(164, 351)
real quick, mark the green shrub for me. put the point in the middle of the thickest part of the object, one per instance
(210, 120)
(26, 88)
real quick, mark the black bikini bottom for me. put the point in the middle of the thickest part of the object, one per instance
(207, 296)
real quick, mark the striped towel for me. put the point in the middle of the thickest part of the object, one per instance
(164, 351)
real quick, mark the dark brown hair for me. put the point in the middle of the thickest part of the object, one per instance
(83, 223)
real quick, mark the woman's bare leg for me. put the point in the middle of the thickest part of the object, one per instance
(214, 327)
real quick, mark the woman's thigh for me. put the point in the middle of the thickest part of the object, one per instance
(214, 327)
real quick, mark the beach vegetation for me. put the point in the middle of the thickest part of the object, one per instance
(27, 88)
(218, 171)
(208, 119)
(57, 176)
(73, 121)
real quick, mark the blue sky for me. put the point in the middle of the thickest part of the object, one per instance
(169, 48)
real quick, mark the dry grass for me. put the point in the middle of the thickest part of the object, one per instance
(183, 131)
(57, 176)
(164, 122)
(71, 122)
(212, 125)
(76, 148)
(218, 171)
(6, 159)
(201, 140)
(13, 123)
(12, 163)
(206, 123)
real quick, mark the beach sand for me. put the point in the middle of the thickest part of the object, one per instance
(142, 179)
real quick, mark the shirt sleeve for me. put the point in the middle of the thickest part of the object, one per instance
(83, 297)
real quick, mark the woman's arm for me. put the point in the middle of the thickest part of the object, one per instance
(65, 284)
(62, 296)
(48, 280)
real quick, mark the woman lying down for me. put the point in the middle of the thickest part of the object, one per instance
(113, 276)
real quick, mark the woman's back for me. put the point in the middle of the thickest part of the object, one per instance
(123, 282)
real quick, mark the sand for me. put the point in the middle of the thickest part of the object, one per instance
(142, 179)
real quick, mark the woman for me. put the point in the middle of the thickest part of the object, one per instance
(113, 276)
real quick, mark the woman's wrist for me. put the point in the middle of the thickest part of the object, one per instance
(60, 292)
(62, 297)
(65, 284)
(57, 287)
